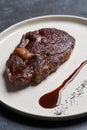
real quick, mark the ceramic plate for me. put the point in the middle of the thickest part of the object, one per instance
(74, 96)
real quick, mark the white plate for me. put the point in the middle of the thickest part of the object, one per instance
(25, 101)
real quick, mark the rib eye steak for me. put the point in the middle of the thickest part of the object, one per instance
(38, 54)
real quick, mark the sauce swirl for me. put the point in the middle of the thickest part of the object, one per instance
(53, 98)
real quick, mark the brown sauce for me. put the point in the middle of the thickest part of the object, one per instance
(52, 99)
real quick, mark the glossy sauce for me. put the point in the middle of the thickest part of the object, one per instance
(52, 99)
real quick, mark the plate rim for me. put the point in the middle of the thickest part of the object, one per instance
(30, 114)
(50, 118)
(39, 17)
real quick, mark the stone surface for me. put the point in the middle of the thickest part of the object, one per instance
(13, 11)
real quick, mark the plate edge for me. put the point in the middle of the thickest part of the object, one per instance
(40, 17)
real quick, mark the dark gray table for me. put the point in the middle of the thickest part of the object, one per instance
(13, 11)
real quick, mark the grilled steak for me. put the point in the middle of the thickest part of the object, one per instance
(38, 54)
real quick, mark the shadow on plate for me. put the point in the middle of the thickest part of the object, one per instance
(27, 121)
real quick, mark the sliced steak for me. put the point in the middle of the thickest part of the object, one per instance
(38, 54)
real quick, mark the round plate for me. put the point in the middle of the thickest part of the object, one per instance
(73, 100)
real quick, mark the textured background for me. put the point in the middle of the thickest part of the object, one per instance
(13, 11)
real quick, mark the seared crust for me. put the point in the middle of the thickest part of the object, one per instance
(38, 54)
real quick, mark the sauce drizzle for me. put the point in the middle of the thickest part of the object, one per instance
(52, 99)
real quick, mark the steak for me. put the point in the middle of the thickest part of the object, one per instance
(38, 54)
